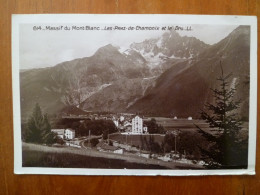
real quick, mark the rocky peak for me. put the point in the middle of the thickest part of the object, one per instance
(107, 50)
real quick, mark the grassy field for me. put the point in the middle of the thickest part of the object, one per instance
(182, 124)
(35, 155)
(168, 124)
(134, 140)
(186, 125)
(68, 160)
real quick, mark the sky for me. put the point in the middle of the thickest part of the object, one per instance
(46, 48)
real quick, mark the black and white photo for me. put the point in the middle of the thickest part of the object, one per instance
(134, 94)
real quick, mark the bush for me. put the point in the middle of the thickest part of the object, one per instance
(94, 142)
(97, 127)
(60, 141)
(105, 135)
(153, 127)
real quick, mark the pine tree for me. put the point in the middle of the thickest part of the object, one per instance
(227, 150)
(39, 128)
(48, 137)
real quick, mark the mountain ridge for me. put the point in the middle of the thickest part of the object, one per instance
(190, 89)
(118, 81)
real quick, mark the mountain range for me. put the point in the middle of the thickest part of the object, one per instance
(171, 74)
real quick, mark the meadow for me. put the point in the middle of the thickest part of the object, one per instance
(135, 140)
(69, 160)
(181, 124)
(169, 124)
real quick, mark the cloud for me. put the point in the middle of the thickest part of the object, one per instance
(48, 48)
(66, 55)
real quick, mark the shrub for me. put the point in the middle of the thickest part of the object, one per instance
(94, 142)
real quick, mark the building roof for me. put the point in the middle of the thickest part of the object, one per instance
(71, 130)
(137, 116)
(58, 131)
(127, 124)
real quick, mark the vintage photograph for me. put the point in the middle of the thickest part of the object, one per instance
(160, 96)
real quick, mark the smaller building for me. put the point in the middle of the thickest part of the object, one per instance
(122, 118)
(119, 151)
(115, 122)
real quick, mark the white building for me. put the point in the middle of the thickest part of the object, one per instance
(122, 118)
(119, 151)
(69, 134)
(137, 125)
(115, 122)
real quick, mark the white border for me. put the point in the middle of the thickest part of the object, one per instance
(137, 19)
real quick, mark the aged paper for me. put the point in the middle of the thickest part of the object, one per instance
(134, 94)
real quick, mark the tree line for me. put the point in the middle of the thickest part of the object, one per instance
(84, 127)
(153, 127)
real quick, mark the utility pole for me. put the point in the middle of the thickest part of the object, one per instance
(175, 144)
(89, 132)
(175, 133)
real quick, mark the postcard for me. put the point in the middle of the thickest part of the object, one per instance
(134, 94)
